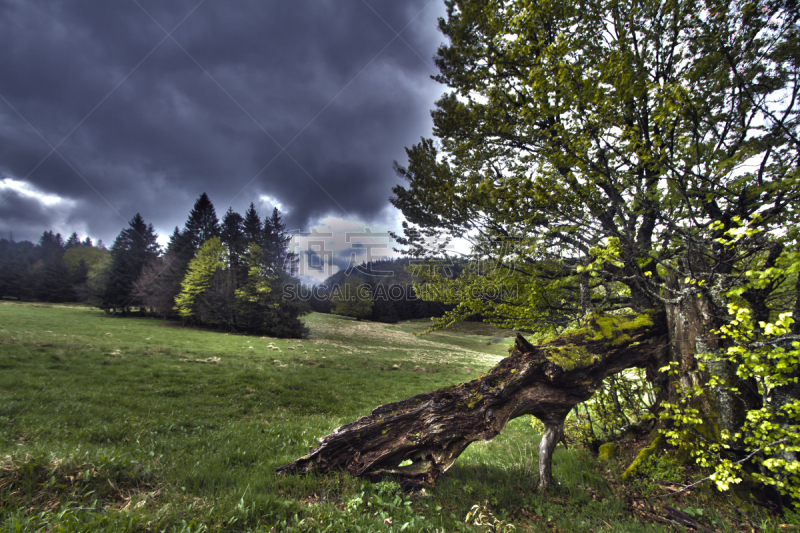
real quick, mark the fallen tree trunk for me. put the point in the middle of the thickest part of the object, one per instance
(433, 429)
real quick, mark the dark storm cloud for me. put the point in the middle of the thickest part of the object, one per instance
(23, 211)
(144, 123)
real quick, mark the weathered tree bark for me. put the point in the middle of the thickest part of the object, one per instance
(433, 429)
(691, 323)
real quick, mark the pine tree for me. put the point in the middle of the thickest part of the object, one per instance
(54, 282)
(276, 244)
(161, 279)
(51, 276)
(232, 231)
(80, 274)
(252, 296)
(232, 236)
(16, 269)
(180, 243)
(210, 258)
(133, 248)
(280, 315)
(202, 223)
(73, 241)
(253, 229)
(50, 245)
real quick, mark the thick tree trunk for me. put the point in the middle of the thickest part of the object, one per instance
(691, 324)
(431, 430)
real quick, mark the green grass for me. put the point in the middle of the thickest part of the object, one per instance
(110, 424)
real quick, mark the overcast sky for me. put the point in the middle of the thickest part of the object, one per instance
(113, 108)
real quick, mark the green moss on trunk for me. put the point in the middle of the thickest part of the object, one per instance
(643, 455)
(570, 352)
(570, 357)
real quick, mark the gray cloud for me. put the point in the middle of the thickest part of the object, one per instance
(150, 123)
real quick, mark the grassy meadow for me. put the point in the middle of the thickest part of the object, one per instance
(133, 424)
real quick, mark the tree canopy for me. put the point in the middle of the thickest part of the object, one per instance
(628, 154)
(618, 139)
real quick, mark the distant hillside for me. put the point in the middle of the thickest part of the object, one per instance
(385, 272)
(390, 285)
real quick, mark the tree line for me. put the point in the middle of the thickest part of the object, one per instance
(52, 270)
(227, 274)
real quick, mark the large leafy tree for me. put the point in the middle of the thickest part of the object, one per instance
(88, 254)
(81, 261)
(617, 154)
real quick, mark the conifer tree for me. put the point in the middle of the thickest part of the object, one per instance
(51, 276)
(133, 248)
(80, 274)
(73, 241)
(253, 229)
(210, 258)
(16, 269)
(280, 315)
(53, 284)
(232, 236)
(161, 281)
(276, 244)
(252, 296)
(202, 223)
(50, 245)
